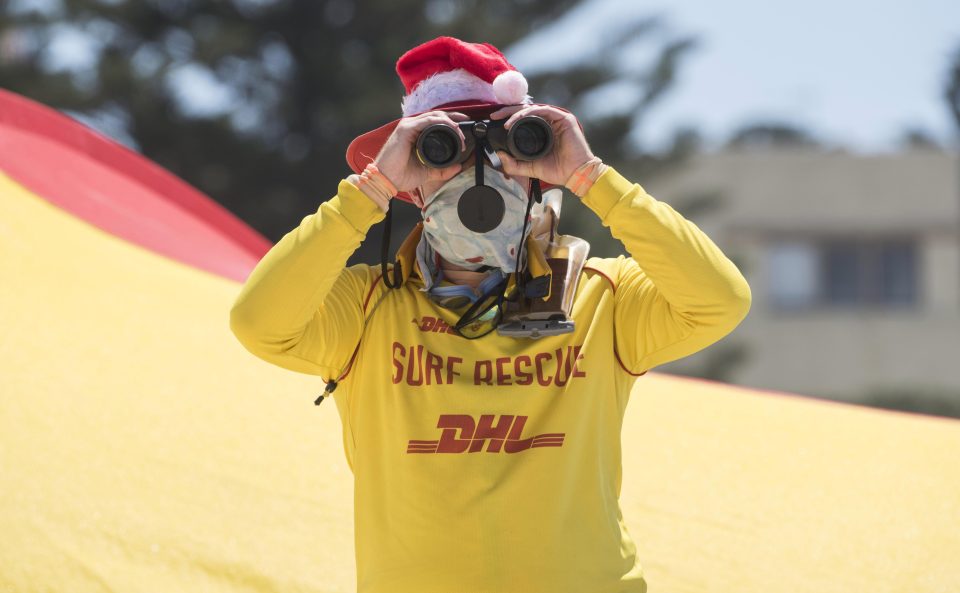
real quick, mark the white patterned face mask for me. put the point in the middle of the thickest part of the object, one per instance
(444, 228)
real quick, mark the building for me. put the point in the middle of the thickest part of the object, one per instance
(854, 262)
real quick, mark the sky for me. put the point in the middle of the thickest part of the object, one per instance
(856, 73)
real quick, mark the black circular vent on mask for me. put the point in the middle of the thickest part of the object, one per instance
(481, 209)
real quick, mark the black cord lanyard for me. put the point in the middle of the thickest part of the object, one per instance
(397, 278)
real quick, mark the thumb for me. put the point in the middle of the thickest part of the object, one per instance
(445, 174)
(512, 166)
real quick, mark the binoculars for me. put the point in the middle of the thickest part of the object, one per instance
(528, 139)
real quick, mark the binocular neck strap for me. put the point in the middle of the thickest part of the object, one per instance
(384, 251)
(536, 195)
(478, 169)
(484, 149)
(495, 161)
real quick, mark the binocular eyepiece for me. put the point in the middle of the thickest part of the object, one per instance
(528, 139)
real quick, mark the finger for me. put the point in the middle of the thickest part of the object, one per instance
(420, 125)
(451, 171)
(512, 166)
(455, 117)
(431, 117)
(505, 111)
(441, 117)
(551, 114)
(437, 112)
(452, 116)
(444, 174)
(525, 111)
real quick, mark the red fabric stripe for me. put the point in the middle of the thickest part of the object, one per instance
(120, 191)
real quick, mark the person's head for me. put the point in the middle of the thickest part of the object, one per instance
(447, 74)
(474, 214)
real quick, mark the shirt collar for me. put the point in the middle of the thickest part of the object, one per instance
(407, 255)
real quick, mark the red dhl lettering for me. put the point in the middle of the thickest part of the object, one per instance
(461, 433)
(434, 324)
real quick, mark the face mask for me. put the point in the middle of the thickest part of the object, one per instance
(444, 217)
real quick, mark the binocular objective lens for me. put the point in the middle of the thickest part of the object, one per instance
(531, 138)
(439, 146)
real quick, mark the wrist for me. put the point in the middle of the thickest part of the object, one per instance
(584, 176)
(375, 186)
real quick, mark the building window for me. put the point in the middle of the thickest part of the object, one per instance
(843, 273)
(793, 274)
(898, 273)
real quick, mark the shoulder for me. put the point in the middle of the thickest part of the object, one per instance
(363, 274)
(607, 268)
(362, 280)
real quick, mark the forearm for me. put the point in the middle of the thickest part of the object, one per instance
(682, 292)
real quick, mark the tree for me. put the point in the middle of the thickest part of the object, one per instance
(951, 91)
(917, 138)
(771, 134)
(952, 95)
(255, 101)
(611, 134)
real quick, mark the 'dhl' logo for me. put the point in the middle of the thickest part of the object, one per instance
(504, 435)
(433, 324)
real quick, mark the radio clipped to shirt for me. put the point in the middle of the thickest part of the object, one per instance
(555, 263)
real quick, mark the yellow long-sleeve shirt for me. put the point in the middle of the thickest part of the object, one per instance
(489, 465)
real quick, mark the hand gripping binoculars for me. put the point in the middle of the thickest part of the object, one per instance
(528, 139)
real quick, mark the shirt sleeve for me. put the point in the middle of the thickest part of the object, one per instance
(301, 307)
(677, 293)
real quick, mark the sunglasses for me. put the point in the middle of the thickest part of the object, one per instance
(459, 296)
(484, 315)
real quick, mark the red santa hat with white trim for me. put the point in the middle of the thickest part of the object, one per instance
(450, 75)
(446, 70)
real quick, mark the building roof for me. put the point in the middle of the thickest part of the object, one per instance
(804, 190)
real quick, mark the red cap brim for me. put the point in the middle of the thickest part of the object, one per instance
(365, 147)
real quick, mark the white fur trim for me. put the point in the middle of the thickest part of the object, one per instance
(447, 87)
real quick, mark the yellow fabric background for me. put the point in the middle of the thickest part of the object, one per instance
(143, 449)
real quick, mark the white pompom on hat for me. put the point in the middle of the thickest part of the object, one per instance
(447, 70)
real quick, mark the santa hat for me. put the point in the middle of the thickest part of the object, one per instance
(446, 70)
(451, 75)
